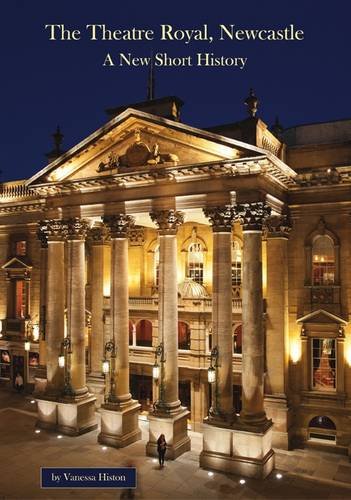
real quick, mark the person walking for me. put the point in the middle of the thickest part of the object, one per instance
(161, 449)
(19, 382)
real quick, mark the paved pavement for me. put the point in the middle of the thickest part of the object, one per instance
(305, 474)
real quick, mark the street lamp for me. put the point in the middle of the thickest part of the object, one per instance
(109, 368)
(158, 374)
(212, 377)
(64, 361)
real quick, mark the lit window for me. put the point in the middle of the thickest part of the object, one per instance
(236, 263)
(323, 261)
(21, 248)
(195, 269)
(324, 364)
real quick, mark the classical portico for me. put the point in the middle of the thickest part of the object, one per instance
(174, 301)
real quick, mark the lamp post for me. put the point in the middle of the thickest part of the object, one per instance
(64, 361)
(158, 374)
(212, 377)
(109, 368)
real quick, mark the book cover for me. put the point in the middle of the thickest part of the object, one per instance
(174, 250)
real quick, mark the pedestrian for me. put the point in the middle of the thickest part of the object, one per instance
(19, 382)
(161, 449)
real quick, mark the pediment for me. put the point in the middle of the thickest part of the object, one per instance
(321, 317)
(16, 264)
(134, 141)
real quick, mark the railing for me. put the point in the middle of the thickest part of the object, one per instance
(14, 191)
(187, 303)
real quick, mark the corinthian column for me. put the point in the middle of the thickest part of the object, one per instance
(97, 236)
(119, 416)
(168, 222)
(252, 216)
(77, 229)
(56, 231)
(169, 417)
(43, 237)
(221, 219)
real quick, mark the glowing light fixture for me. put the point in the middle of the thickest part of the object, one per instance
(156, 371)
(27, 345)
(279, 476)
(105, 366)
(59, 436)
(211, 375)
(295, 351)
(242, 481)
(37, 431)
(61, 360)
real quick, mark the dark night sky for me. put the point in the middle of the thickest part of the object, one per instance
(45, 83)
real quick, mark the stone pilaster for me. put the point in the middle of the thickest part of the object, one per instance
(221, 219)
(119, 416)
(277, 335)
(169, 417)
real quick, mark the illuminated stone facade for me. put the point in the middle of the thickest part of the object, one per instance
(151, 235)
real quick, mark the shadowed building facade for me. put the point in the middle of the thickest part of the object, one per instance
(200, 277)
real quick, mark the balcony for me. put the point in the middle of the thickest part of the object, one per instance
(195, 305)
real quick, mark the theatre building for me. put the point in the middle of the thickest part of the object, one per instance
(198, 278)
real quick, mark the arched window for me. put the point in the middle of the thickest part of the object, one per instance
(323, 261)
(156, 266)
(237, 339)
(236, 263)
(183, 335)
(322, 422)
(195, 267)
(144, 333)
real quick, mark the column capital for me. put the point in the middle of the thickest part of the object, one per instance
(97, 235)
(253, 215)
(76, 228)
(221, 218)
(136, 236)
(42, 234)
(167, 220)
(53, 229)
(118, 224)
(278, 226)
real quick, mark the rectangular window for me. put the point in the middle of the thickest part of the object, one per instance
(323, 364)
(21, 248)
(196, 272)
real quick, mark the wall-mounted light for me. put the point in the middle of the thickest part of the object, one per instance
(295, 351)
(348, 355)
(156, 371)
(105, 366)
(61, 360)
(27, 345)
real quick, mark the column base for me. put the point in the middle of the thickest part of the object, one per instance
(47, 414)
(119, 427)
(175, 429)
(96, 386)
(77, 416)
(237, 451)
(277, 409)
